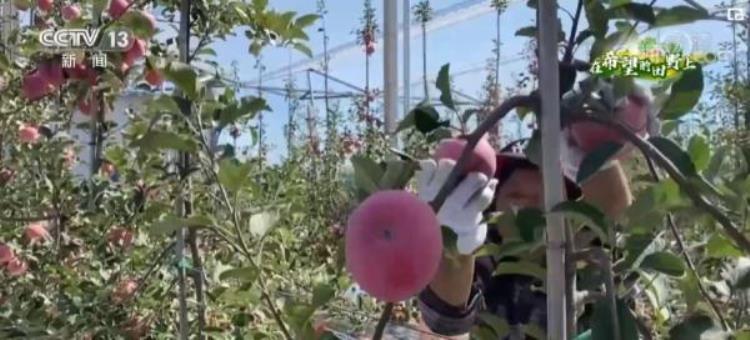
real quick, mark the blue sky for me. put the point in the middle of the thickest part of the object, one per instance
(465, 45)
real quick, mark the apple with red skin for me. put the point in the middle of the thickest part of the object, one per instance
(45, 5)
(71, 12)
(53, 72)
(35, 86)
(482, 158)
(394, 245)
(633, 112)
(154, 77)
(370, 48)
(136, 52)
(117, 8)
(6, 254)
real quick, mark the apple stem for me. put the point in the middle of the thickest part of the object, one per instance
(380, 327)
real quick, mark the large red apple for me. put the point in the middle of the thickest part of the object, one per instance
(35, 86)
(482, 158)
(52, 71)
(393, 245)
(71, 12)
(117, 8)
(633, 112)
(45, 5)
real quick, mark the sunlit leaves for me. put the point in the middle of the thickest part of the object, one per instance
(233, 175)
(184, 77)
(262, 222)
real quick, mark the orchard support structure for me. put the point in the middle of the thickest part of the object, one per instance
(551, 168)
(390, 67)
(406, 41)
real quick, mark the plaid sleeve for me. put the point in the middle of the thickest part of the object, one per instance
(446, 319)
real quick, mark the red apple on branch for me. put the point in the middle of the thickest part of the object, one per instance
(482, 159)
(393, 245)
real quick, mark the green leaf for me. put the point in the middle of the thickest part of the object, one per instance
(427, 119)
(262, 222)
(601, 321)
(166, 225)
(247, 108)
(367, 173)
(184, 77)
(719, 246)
(322, 294)
(685, 94)
(675, 154)
(691, 328)
(522, 268)
(597, 18)
(498, 325)
(443, 84)
(233, 175)
(664, 262)
(530, 223)
(397, 174)
(163, 103)
(632, 10)
(528, 31)
(596, 159)
(591, 215)
(679, 15)
(303, 48)
(699, 151)
(717, 160)
(161, 140)
(306, 20)
(241, 275)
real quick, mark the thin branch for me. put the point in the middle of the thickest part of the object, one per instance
(686, 256)
(380, 327)
(573, 31)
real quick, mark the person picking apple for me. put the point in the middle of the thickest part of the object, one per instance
(464, 284)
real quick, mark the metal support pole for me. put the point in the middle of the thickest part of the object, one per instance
(390, 66)
(406, 36)
(183, 159)
(551, 169)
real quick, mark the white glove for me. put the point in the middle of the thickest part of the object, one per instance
(463, 208)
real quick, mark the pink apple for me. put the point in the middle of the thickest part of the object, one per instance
(6, 254)
(28, 133)
(45, 5)
(71, 12)
(117, 8)
(16, 267)
(37, 232)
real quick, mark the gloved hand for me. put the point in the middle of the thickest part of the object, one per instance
(463, 208)
(571, 155)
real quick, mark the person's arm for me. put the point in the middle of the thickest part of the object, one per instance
(453, 281)
(608, 190)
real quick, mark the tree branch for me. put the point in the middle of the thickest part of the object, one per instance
(681, 247)
(574, 29)
(380, 327)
